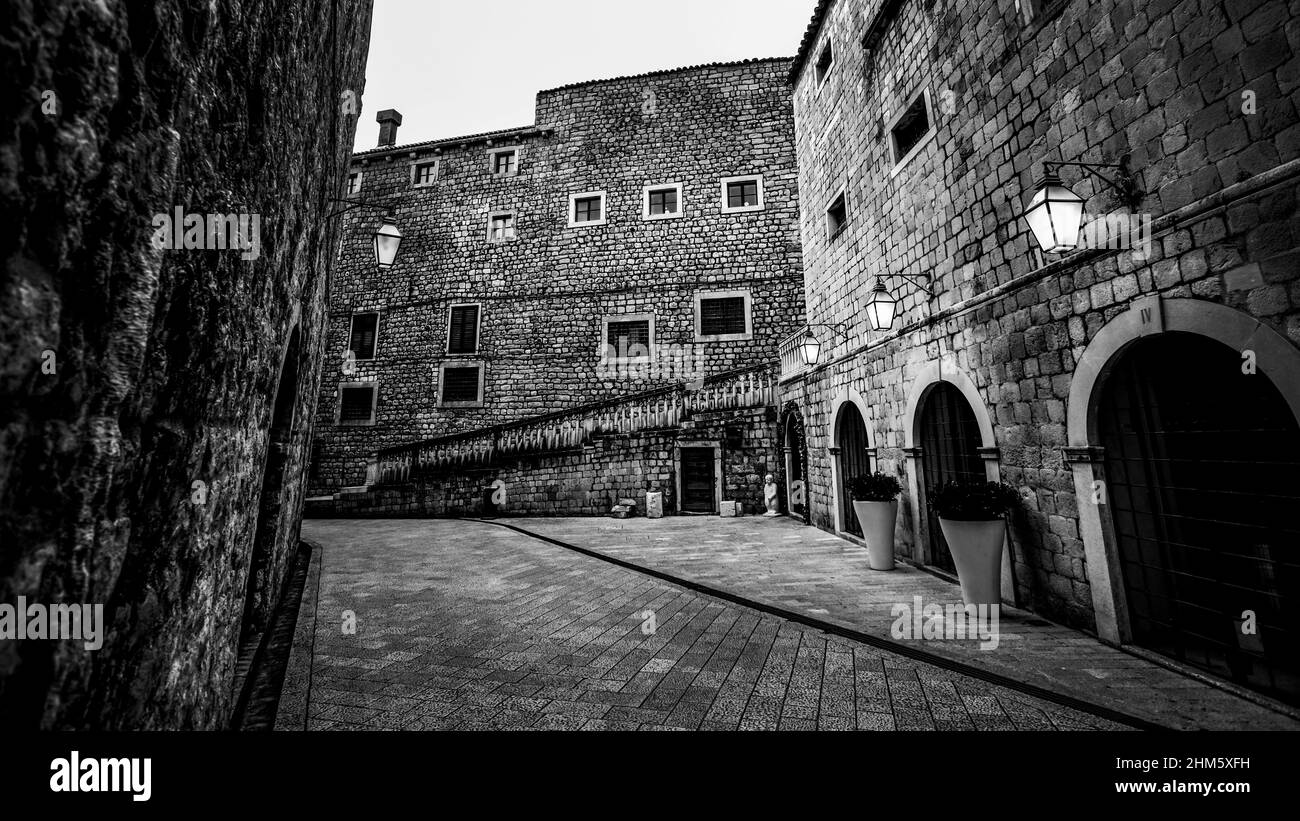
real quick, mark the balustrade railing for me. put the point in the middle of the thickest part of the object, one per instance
(576, 427)
(792, 358)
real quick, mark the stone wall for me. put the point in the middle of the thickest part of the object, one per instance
(586, 481)
(1202, 95)
(543, 295)
(131, 372)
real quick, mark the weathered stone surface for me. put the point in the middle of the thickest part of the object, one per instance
(167, 361)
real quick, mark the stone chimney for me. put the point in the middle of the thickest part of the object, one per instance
(389, 119)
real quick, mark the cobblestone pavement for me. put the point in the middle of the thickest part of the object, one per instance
(785, 564)
(465, 625)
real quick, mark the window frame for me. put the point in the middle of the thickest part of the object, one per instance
(505, 149)
(462, 363)
(360, 175)
(743, 209)
(603, 351)
(900, 162)
(352, 321)
(478, 329)
(416, 165)
(651, 189)
(573, 209)
(822, 76)
(700, 296)
(840, 194)
(514, 226)
(373, 385)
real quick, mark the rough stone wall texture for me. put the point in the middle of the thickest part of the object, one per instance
(167, 362)
(1163, 81)
(587, 482)
(543, 295)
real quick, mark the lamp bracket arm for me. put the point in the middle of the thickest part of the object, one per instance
(915, 281)
(1124, 182)
(353, 205)
(838, 328)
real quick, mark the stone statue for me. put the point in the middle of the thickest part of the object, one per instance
(769, 496)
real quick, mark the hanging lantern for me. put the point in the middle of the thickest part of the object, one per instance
(1054, 214)
(811, 349)
(881, 307)
(387, 241)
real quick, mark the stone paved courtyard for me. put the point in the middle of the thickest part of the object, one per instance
(465, 625)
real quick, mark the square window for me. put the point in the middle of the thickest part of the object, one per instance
(505, 162)
(662, 201)
(461, 385)
(722, 316)
(824, 62)
(357, 404)
(911, 128)
(424, 173)
(462, 329)
(628, 338)
(363, 336)
(742, 194)
(501, 226)
(587, 208)
(837, 216)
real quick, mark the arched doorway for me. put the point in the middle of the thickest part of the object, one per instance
(795, 448)
(1201, 479)
(949, 438)
(854, 460)
(259, 593)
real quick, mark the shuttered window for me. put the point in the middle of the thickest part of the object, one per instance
(356, 405)
(365, 327)
(463, 336)
(623, 337)
(722, 315)
(460, 384)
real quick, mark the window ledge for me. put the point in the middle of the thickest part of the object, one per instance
(652, 217)
(911, 154)
(724, 337)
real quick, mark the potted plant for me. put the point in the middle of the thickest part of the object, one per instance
(972, 518)
(875, 501)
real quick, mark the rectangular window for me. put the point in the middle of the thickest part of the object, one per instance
(462, 330)
(1040, 11)
(837, 216)
(504, 162)
(357, 404)
(662, 201)
(722, 316)
(501, 226)
(586, 209)
(461, 385)
(742, 194)
(424, 173)
(824, 62)
(354, 183)
(911, 128)
(364, 335)
(628, 338)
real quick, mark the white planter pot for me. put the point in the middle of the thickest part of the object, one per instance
(977, 551)
(877, 520)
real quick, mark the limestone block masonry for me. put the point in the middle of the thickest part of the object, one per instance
(1202, 96)
(545, 295)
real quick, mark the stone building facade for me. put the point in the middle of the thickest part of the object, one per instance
(640, 236)
(158, 401)
(1142, 395)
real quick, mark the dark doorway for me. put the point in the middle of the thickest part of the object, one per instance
(1201, 480)
(259, 593)
(851, 438)
(699, 480)
(950, 441)
(796, 463)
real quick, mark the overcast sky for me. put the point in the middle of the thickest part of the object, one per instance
(453, 67)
